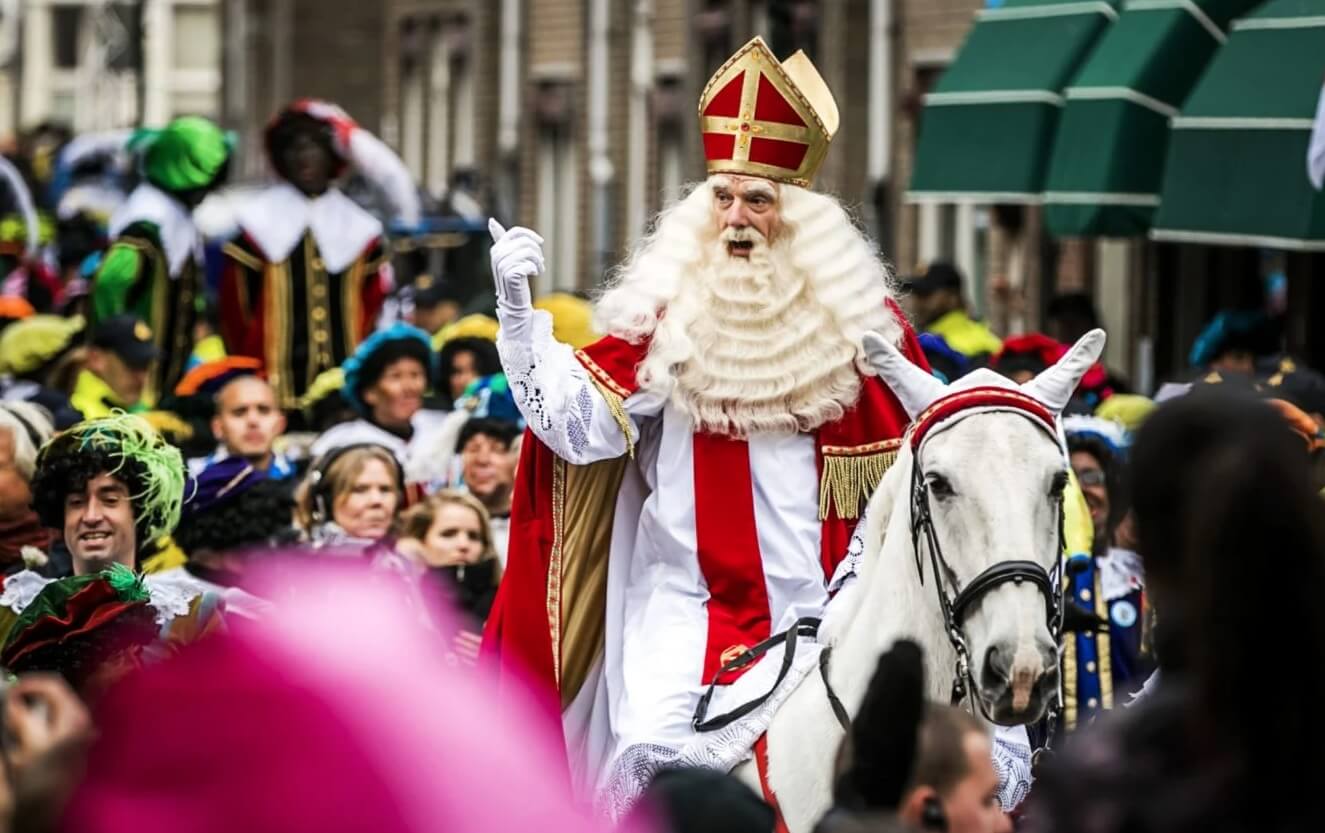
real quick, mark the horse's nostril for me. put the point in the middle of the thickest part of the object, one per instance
(995, 670)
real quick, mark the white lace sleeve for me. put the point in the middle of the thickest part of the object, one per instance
(172, 594)
(1012, 762)
(559, 401)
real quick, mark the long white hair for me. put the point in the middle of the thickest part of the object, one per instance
(768, 345)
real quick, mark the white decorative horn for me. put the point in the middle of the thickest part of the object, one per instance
(913, 387)
(1054, 385)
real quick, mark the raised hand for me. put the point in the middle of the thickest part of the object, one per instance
(517, 258)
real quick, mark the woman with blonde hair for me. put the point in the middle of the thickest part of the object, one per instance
(350, 496)
(450, 534)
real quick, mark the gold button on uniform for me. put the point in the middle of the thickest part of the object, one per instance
(320, 335)
(319, 314)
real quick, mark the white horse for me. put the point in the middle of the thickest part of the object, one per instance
(993, 474)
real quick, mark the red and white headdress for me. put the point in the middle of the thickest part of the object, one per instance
(761, 117)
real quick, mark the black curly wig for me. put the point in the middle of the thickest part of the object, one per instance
(63, 470)
(260, 515)
(292, 123)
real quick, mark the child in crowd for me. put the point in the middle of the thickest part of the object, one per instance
(450, 533)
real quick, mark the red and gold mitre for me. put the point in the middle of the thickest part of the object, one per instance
(768, 119)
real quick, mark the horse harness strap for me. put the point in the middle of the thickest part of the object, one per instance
(955, 608)
(806, 627)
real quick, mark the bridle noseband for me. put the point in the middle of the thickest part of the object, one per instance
(956, 607)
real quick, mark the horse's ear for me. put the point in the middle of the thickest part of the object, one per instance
(913, 387)
(1054, 386)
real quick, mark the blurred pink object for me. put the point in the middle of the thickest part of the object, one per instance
(339, 713)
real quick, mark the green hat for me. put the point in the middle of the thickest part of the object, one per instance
(187, 154)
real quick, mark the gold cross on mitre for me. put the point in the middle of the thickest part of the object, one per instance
(768, 119)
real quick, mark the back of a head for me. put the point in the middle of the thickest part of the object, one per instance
(1234, 542)
(941, 760)
(705, 801)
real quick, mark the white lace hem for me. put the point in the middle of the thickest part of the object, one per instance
(636, 766)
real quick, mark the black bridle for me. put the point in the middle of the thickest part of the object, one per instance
(955, 607)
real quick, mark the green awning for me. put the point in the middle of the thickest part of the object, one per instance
(989, 122)
(1108, 155)
(1236, 170)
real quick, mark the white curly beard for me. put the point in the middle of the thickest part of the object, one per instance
(765, 345)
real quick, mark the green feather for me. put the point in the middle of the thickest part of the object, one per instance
(127, 585)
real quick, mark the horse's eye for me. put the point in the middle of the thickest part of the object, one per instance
(940, 487)
(1058, 485)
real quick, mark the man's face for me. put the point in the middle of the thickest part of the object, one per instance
(247, 419)
(463, 371)
(488, 466)
(430, 319)
(125, 382)
(308, 164)
(972, 805)
(1094, 485)
(398, 394)
(931, 306)
(98, 525)
(744, 202)
(15, 494)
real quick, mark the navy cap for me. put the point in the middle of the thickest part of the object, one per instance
(938, 276)
(127, 337)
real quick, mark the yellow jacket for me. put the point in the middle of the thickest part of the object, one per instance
(92, 397)
(965, 335)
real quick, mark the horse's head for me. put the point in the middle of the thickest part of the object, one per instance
(988, 473)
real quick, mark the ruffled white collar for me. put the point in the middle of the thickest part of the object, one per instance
(179, 236)
(277, 217)
(170, 594)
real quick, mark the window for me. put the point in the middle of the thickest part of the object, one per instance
(66, 25)
(558, 208)
(411, 116)
(197, 38)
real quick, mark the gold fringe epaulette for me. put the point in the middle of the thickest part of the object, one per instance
(851, 474)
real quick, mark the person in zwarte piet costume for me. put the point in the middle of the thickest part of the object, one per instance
(305, 279)
(153, 268)
(113, 488)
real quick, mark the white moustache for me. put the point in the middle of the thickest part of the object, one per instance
(749, 234)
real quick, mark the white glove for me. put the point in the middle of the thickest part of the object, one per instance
(517, 258)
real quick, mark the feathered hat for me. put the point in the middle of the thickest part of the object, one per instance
(765, 118)
(356, 147)
(130, 449)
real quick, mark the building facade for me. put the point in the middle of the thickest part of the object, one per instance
(96, 65)
(279, 50)
(580, 116)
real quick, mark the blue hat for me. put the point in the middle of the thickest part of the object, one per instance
(377, 351)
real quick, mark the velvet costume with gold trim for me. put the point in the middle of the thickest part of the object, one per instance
(295, 316)
(135, 278)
